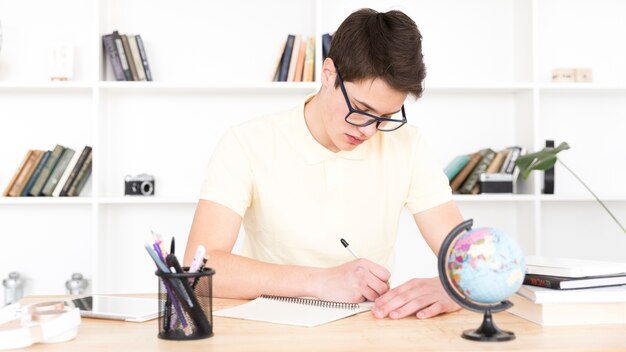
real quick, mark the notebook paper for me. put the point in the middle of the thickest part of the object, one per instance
(293, 311)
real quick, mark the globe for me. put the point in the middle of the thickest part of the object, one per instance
(480, 268)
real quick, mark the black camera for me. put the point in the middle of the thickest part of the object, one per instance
(140, 185)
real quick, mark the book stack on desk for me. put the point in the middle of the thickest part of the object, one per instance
(560, 291)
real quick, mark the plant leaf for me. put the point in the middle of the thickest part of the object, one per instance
(541, 160)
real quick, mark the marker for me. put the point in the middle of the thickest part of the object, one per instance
(345, 244)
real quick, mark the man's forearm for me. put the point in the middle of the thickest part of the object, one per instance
(245, 278)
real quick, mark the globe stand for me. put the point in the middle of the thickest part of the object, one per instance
(488, 331)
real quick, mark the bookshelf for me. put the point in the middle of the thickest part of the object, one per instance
(488, 84)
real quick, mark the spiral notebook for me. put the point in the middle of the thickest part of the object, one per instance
(293, 310)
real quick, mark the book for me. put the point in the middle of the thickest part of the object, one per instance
(132, 44)
(81, 178)
(309, 61)
(122, 54)
(455, 166)
(326, 40)
(566, 283)
(569, 267)
(300, 61)
(57, 172)
(464, 173)
(286, 59)
(129, 57)
(281, 52)
(472, 180)
(26, 173)
(553, 314)
(497, 161)
(584, 295)
(110, 49)
(65, 175)
(40, 164)
(47, 169)
(72, 176)
(144, 57)
(293, 310)
(509, 166)
(17, 173)
(294, 58)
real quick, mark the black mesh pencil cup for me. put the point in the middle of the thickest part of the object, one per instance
(186, 305)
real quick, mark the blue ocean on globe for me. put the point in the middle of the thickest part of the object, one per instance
(486, 265)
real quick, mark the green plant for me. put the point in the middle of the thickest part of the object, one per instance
(544, 160)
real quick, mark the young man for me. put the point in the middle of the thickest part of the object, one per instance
(342, 164)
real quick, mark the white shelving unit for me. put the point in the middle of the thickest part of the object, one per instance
(488, 84)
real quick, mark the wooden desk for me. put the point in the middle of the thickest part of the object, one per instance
(361, 332)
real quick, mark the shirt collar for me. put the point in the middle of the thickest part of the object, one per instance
(313, 151)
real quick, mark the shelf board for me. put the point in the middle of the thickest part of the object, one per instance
(45, 200)
(581, 198)
(478, 88)
(211, 88)
(70, 86)
(504, 197)
(581, 87)
(147, 200)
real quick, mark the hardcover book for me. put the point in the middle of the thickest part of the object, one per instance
(47, 169)
(110, 49)
(464, 173)
(31, 182)
(286, 59)
(74, 173)
(26, 173)
(17, 173)
(472, 179)
(122, 54)
(57, 172)
(572, 267)
(144, 57)
(291, 73)
(129, 58)
(455, 166)
(566, 283)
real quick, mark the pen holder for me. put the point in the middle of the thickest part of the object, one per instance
(186, 305)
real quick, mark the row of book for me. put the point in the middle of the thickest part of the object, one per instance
(484, 171)
(61, 172)
(296, 60)
(127, 56)
(563, 291)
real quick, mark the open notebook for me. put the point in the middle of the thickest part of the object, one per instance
(293, 310)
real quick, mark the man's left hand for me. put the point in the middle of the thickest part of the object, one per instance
(425, 298)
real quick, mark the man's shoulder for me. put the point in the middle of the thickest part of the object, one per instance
(403, 137)
(263, 127)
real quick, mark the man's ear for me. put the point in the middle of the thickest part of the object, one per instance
(329, 73)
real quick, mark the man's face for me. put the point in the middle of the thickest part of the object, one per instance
(373, 96)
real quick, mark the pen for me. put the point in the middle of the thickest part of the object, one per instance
(172, 246)
(345, 244)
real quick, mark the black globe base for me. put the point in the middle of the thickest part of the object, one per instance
(488, 331)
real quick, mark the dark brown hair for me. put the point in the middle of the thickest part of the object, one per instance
(371, 44)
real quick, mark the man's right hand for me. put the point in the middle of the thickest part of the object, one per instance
(356, 281)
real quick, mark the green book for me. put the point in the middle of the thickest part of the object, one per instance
(472, 179)
(456, 165)
(47, 170)
(57, 172)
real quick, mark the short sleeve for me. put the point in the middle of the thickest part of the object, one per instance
(429, 185)
(228, 179)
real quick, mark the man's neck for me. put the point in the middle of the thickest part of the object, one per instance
(314, 122)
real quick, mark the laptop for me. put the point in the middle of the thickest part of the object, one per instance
(116, 307)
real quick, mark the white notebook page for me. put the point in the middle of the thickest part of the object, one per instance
(313, 313)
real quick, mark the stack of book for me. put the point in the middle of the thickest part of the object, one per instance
(484, 171)
(127, 57)
(296, 60)
(560, 291)
(61, 172)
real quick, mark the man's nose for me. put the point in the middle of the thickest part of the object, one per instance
(368, 130)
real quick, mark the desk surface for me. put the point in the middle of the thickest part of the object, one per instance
(361, 332)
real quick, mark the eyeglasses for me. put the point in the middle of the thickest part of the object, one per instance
(361, 118)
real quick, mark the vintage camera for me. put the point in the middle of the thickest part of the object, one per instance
(140, 185)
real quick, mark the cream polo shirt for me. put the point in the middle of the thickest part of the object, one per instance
(297, 198)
